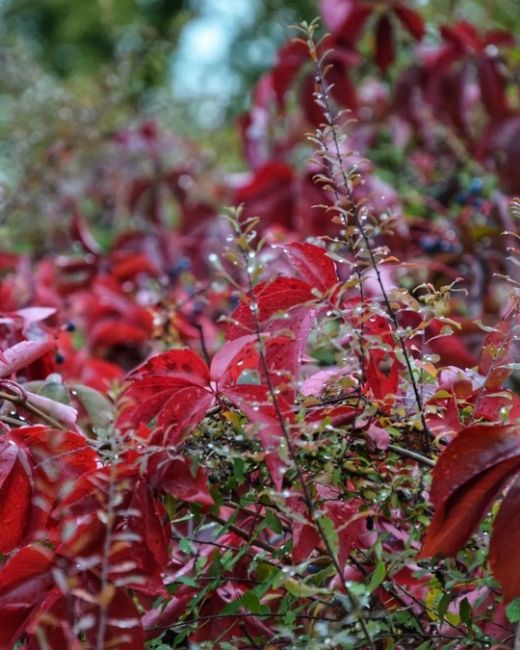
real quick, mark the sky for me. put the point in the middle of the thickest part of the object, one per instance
(199, 68)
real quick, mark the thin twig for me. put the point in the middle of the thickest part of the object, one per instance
(354, 602)
(331, 118)
(408, 453)
(19, 400)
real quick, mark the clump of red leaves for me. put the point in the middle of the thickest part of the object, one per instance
(220, 434)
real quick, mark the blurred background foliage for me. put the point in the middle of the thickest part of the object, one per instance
(164, 54)
(72, 73)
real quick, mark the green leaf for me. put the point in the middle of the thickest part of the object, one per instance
(465, 612)
(239, 469)
(100, 410)
(186, 546)
(331, 535)
(232, 607)
(55, 390)
(301, 589)
(377, 577)
(273, 522)
(443, 605)
(513, 611)
(186, 580)
(251, 601)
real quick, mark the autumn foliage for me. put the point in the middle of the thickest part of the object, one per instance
(293, 423)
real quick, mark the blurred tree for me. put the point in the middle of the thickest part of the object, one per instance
(257, 42)
(71, 37)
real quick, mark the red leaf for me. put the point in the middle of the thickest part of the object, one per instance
(183, 411)
(474, 450)
(255, 403)
(314, 113)
(493, 87)
(61, 455)
(411, 20)
(179, 481)
(291, 57)
(112, 331)
(381, 365)
(182, 365)
(463, 35)
(233, 358)
(24, 580)
(270, 194)
(385, 46)
(305, 537)
(127, 265)
(80, 232)
(350, 31)
(22, 354)
(124, 630)
(451, 349)
(147, 524)
(15, 497)
(502, 144)
(350, 526)
(313, 264)
(343, 90)
(53, 621)
(273, 298)
(173, 387)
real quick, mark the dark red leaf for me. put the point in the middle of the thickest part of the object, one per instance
(80, 232)
(351, 28)
(269, 194)
(456, 519)
(469, 474)
(381, 365)
(385, 46)
(350, 526)
(52, 620)
(182, 365)
(493, 87)
(505, 543)
(291, 57)
(411, 20)
(314, 113)
(463, 35)
(343, 90)
(174, 388)
(112, 331)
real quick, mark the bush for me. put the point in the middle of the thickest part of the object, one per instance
(229, 430)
